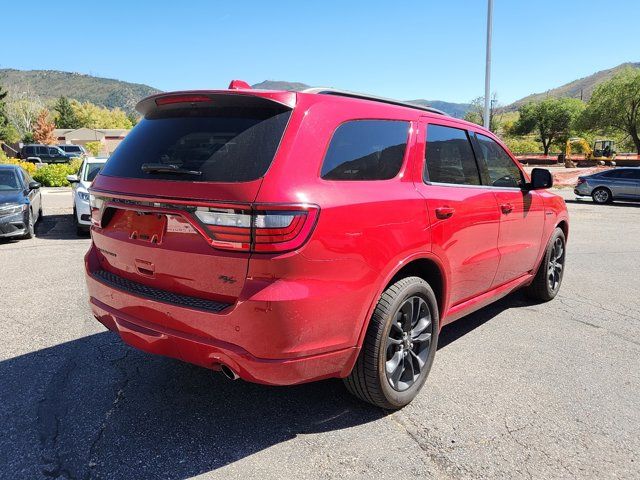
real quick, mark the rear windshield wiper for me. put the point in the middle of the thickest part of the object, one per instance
(167, 168)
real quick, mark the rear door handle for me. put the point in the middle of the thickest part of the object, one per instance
(506, 208)
(444, 212)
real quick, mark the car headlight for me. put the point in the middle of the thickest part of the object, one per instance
(84, 196)
(12, 208)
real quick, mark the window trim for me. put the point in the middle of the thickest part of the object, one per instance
(408, 147)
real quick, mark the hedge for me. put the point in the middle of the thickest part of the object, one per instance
(55, 175)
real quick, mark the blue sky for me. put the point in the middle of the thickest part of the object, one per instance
(415, 49)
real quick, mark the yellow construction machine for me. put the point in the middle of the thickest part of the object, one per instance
(602, 152)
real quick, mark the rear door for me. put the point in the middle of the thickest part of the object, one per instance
(625, 183)
(521, 212)
(463, 213)
(186, 166)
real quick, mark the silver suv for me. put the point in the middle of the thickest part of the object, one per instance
(622, 183)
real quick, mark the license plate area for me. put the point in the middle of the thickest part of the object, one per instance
(145, 227)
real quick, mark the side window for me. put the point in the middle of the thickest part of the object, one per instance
(42, 150)
(30, 151)
(501, 170)
(449, 157)
(366, 150)
(54, 151)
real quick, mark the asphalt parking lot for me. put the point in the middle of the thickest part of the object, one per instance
(518, 390)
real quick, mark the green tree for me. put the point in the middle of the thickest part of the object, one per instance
(65, 115)
(7, 131)
(551, 119)
(476, 112)
(615, 105)
(93, 116)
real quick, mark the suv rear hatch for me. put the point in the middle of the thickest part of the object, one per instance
(173, 211)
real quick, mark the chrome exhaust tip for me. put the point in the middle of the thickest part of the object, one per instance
(229, 373)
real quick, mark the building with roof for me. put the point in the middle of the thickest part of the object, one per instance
(110, 138)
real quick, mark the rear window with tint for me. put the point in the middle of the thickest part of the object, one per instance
(366, 150)
(224, 144)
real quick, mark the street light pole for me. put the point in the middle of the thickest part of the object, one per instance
(487, 74)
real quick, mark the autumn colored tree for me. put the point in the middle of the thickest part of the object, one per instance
(43, 129)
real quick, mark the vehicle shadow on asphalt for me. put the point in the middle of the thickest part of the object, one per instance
(57, 227)
(95, 407)
(617, 203)
(453, 331)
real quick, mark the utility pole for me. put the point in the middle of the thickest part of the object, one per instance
(487, 74)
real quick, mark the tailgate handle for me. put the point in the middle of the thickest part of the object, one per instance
(145, 268)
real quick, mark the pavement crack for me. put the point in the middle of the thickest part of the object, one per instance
(50, 409)
(119, 397)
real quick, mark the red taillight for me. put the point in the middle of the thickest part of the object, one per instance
(168, 100)
(276, 229)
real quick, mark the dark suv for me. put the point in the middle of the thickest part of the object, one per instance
(46, 154)
(285, 237)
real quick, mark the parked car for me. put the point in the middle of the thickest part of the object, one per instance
(79, 191)
(20, 202)
(44, 154)
(286, 237)
(621, 183)
(77, 151)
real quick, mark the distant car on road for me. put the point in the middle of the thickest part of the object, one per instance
(622, 183)
(20, 202)
(79, 184)
(74, 150)
(45, 154)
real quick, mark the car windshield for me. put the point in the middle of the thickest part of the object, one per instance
(91, 171)
(8, 180)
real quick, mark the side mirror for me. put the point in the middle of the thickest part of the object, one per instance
(541, 178)
(34, 185)
(72, 179)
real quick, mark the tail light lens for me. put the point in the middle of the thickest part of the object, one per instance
(273, 229)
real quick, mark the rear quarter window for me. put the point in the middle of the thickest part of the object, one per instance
(366, 150)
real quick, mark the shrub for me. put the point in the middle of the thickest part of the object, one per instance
(522, 145)
(55, 175)
(28, 166)
(94, 148)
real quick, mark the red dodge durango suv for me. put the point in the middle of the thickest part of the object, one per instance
(286, 237)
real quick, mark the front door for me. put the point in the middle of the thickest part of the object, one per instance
(464, 215)
(521, 212)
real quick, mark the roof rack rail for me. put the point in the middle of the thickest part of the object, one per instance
(364, 96)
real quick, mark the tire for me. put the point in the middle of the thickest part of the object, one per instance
(601, 196)
(80, 230)
(40, 213)
(545, 287)
(30, 227)
(392, 340)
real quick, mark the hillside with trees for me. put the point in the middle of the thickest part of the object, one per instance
(52, 84)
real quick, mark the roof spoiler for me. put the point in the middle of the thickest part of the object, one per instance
(237, 95)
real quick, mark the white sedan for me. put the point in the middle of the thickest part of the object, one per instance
(90, 167)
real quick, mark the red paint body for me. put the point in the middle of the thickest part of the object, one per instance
(301, 315)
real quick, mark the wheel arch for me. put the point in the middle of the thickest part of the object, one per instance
(424, 265)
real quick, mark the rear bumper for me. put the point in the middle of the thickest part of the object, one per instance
(213, 339)
(582, 190)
